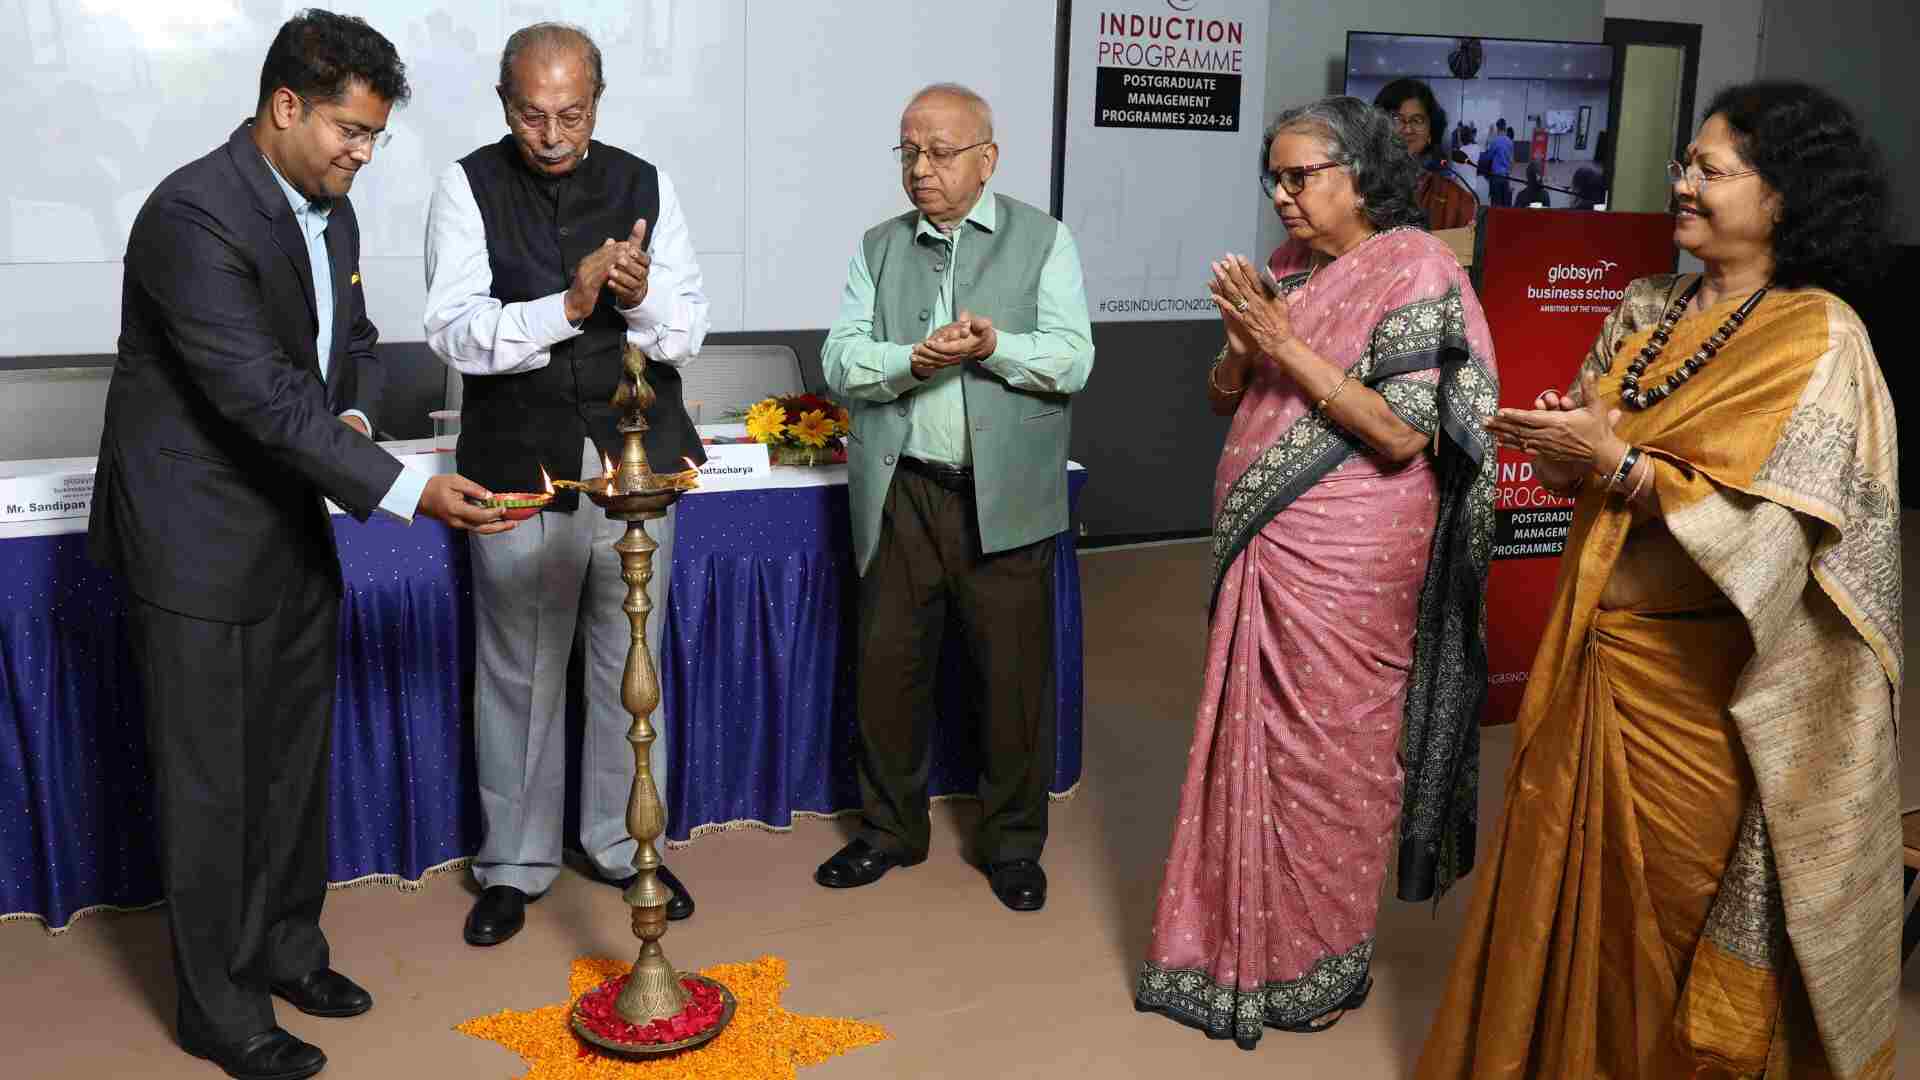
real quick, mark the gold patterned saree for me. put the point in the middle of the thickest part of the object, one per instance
(1697, 871)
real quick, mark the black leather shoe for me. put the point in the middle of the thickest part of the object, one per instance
(271, 1055)
(857, 864)
(498, 915)
(1019, 883)
(680, 907)
(325, 993)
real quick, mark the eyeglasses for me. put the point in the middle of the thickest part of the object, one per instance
(1697, 178)
(907, 153)
(570, 120)
(1415, 122)
(1293, 181)
(353, 136)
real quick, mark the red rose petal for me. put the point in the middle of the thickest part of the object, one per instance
(598, 1012)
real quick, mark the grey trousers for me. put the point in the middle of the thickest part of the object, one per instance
(536, 590)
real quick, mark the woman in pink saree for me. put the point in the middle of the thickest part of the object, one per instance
(1346, 663)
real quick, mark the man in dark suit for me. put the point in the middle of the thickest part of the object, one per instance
(243, 325)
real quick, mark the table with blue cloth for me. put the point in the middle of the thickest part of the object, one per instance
(756, 673)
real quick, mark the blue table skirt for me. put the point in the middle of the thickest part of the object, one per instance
(756, 673)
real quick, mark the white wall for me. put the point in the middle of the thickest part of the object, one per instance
(1858, 50)
(773, 119)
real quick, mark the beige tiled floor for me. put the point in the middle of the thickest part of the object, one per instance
(967, 988)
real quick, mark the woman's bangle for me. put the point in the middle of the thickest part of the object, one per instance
(1627, 461)
(1320, 406)
(1214, 384)
(1634, 495)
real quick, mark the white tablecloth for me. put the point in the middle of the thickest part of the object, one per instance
(414, 453)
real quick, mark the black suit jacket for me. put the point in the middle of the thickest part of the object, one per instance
(220, 438)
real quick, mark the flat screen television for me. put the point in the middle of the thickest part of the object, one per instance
(1553, 96)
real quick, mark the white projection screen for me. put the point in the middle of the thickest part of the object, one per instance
(773, 118)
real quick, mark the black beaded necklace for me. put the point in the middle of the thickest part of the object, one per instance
(1630, 392)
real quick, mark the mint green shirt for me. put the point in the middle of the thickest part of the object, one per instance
(1057, 357)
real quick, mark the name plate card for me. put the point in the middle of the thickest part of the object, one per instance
(732, 466)
(46, 496)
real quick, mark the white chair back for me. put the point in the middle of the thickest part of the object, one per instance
(52, 412)
(728, 378)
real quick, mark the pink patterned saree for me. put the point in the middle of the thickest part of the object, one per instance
(1346, 662)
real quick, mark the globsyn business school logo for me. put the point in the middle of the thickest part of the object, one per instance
(1569, 272)
(1578, 281)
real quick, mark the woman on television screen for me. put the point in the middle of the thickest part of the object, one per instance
(1420, 120)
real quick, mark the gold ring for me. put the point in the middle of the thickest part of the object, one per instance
(1240, 306)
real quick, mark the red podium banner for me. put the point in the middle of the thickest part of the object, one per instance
(1547, 279)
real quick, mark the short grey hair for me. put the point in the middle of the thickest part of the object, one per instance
(965, 93)
(551, 35)
(1361, 137)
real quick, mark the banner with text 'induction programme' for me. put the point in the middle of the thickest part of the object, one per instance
(1165, 105)
(1547, 280)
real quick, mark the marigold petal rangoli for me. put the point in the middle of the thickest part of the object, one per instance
(764, 1042)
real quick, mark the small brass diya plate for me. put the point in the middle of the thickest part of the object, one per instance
(518, 505)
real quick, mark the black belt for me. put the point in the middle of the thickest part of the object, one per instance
(951, 477)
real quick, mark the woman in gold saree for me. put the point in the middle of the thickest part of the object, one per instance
(1696, 873)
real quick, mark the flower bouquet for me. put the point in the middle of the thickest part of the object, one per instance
(800, 429)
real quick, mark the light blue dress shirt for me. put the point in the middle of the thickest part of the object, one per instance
(403, 498)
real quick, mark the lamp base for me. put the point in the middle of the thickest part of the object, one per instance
(596, 1036)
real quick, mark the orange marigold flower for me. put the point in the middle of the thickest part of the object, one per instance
(764, 1039)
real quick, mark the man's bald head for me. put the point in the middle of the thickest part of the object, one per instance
(951, 95)
(549, 41)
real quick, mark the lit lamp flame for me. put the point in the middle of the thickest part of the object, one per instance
(546, 482)
(606, 464)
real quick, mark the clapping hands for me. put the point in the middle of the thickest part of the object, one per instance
(967, 337)
(619, 265)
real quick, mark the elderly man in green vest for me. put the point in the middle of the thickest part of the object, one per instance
(962, 335)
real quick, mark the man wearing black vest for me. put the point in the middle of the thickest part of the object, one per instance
(547, 253)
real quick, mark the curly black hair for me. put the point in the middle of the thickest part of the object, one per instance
(1395, 94)
(1362, 138)
(317, 54)
(1830, 177)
